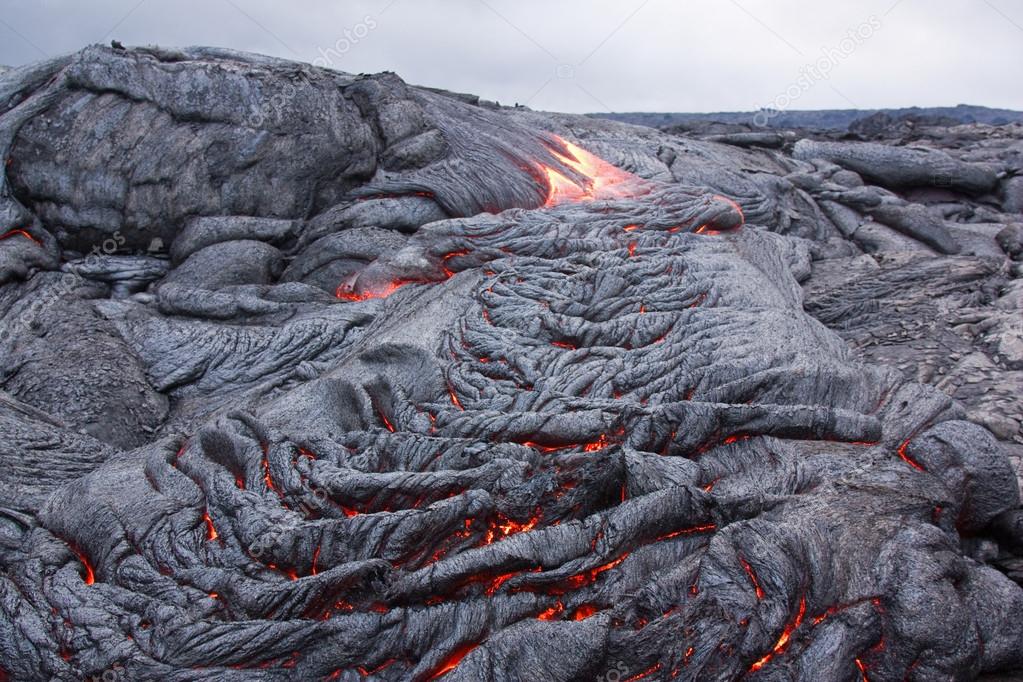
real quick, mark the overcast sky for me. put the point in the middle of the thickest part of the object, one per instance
(593, 55)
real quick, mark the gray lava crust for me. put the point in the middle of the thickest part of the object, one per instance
(315, 376)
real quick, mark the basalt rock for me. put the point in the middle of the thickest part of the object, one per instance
(902, 167)
(327, 377)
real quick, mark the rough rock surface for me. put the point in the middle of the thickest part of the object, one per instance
(316, 376)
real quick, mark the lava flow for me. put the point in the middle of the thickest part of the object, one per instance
(783, 641)
(20, 233)
(601, 179)
(345, 292)
(594, 178)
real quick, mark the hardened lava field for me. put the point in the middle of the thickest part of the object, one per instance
(316, 376)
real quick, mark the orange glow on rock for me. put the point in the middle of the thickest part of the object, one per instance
(496, 583)
(752, 577)
(544, 448)
(90, 576)
(601, 180)
(738, 208)
(553, 612)
(211, 532)
(20, 233)
(906, 458)
(584, 612)
(642, 675)
(366, 672)
(387, 422)
(454, 398)
(596, 446)
(444, 260)
(590, 576)
(345, 292)
(783, 641)
(706, 528)
(267, 478)
(502, 527)
(451, 661)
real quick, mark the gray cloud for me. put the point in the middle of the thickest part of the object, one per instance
(624, 55)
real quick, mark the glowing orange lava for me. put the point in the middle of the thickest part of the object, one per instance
(906, 458)
(752, 577)
(783, 641)
(345, 293)
(267, 478)
(451, 661)
(211, 532)
(596, 446)
(587, 577)
(601, 180)
(863, 670)
(502, 527)
(553, 612)
(584, 612)
(642, 675)
(89, 576)
(454, 398)
(366, 672)
(689, 531)
(20, 233)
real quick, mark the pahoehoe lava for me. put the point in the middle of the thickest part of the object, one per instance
(316, 376)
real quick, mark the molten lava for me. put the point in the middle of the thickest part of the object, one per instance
(452, 661)
(906, 458)
(553, 612)
(600, 179)
(590, 576)
(20, 233)
(89, 576)
(585, 611)
(644, 674)
(346, 293)
(783, 641)
(211, 531)
(863, 670)
(752, 577)
(454, 398)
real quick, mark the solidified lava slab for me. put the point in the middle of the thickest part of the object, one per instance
(381, 383)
